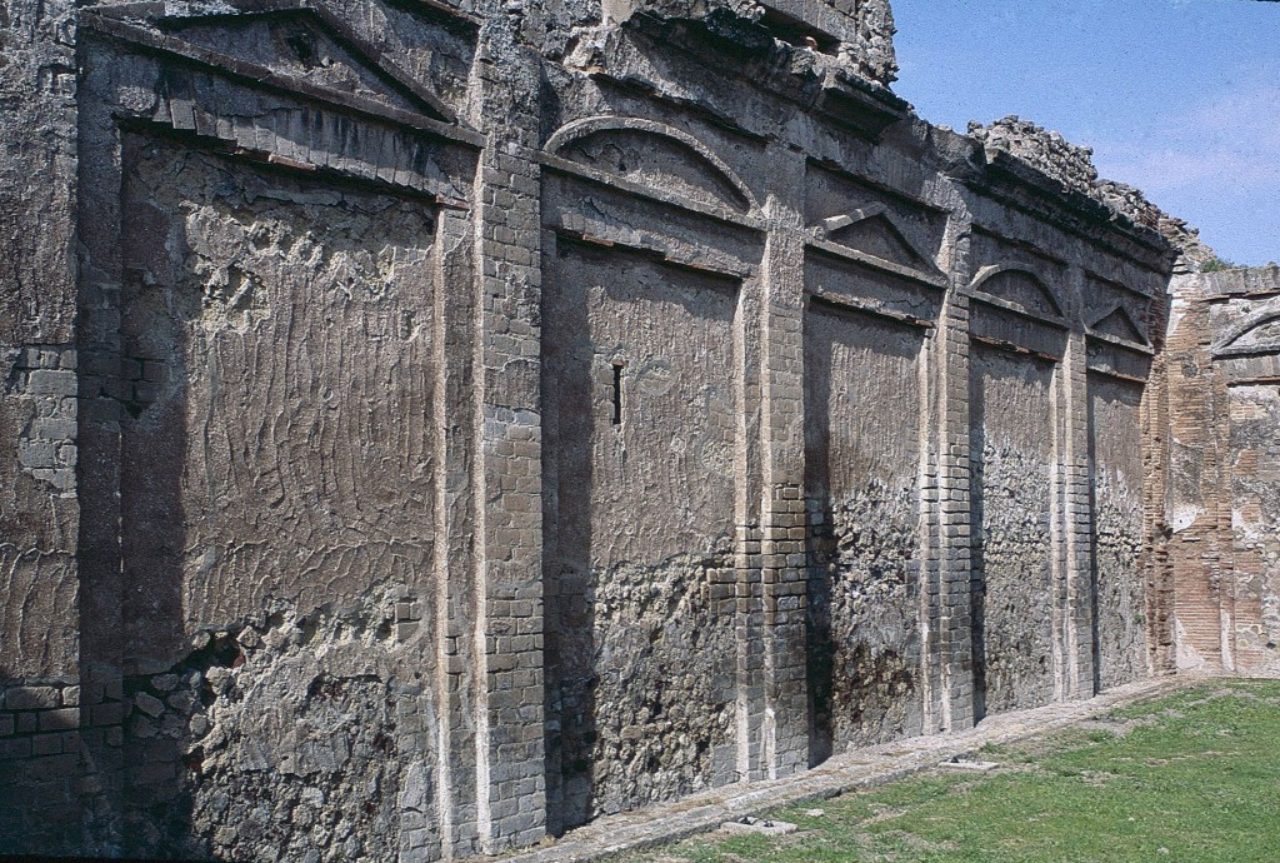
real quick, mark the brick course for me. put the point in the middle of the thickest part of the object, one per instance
(458, 424)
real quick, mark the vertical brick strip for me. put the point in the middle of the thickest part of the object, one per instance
(745, 605)
(1195, 565)
(1077, 524)
(455, 559)
(951, 636)
(511, 793)
(1156, 464)
(783, 549)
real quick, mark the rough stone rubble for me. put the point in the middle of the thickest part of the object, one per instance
(1072, 166)
(427, 427)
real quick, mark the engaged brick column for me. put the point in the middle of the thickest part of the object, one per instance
(1076, 604)
(455, 565)
(783, 549)
(1156, 465)
(511, 777)
(1199, 571)
(950, 593)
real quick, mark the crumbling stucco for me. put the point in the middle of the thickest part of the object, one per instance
(1119, 587)
(1255, 517)
(1072, 166)
(277, 341)
(456, 422)
(42, 805)
(864, 511)
(1012, 455)
(639, 366)
(289, 734)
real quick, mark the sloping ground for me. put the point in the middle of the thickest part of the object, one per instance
(1190, 777)
(860, 770)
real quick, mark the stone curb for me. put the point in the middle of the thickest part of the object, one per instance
(860, 770)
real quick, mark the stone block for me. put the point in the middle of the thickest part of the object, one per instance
(52, 382)
(14, 748)
(46, 744)
(148, 704)
(32, 698)
(60, 720)
(108, 713)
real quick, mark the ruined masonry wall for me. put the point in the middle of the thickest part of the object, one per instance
(430, 427)
(41, 714)
(1222, 505)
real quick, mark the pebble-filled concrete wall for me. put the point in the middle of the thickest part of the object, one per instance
(432, 425)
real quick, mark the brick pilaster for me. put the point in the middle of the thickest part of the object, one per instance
(1076, 599)
(511, 794)
(783, 573)
(455, 555)
(949, 591)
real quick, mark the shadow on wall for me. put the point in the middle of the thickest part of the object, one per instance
(861, 463)
(155, 322)
(570, 614)
(977, 563)
(42, 749)
(157, 313)
(250, 735)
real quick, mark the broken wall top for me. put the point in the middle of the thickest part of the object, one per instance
(1071, 166)
(859, 32)
(1249, 283)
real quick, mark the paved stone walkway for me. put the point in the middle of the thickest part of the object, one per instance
(865, 768)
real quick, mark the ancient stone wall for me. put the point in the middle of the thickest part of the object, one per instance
(465, 420)
(41, 713)
(639, 367)
(1223, 352)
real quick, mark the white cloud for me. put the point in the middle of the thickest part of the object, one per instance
(1230, 141)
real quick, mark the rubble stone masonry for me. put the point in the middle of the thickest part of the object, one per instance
(428, 425)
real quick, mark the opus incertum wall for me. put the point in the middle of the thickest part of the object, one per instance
(431, 426)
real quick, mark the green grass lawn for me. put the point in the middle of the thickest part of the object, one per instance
(1193, 777)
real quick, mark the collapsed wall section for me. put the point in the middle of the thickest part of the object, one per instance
(857, 32)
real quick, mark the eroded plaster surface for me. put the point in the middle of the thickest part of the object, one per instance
(430, 427)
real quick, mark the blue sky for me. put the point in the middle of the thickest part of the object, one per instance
(1180, 98)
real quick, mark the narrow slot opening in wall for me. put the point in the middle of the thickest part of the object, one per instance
(617, 393)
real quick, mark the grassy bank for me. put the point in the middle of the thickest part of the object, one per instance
(1190, 778)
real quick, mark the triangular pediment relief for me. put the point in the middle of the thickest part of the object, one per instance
(1022, 289)
(1259, 335)
(1121, 325)
(650, 154)
(873, 231)
(281, 43)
